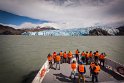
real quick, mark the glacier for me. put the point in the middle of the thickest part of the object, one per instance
(73, 32)
(64, 32)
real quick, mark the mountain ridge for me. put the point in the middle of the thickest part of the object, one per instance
(51, 31)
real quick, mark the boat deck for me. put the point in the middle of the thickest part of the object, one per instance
(62, 75)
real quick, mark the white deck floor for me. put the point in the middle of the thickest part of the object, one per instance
(62, 75)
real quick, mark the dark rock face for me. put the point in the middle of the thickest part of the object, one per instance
(98, 32)
(38, 28)
(6, 30)
(121, 30)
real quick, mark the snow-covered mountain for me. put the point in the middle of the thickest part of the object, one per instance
(112, 30)
(73, 32)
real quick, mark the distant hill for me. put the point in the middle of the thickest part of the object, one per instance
(38, 28)
(121, 30)
(6, 30)
(106, 32)
(99, 32)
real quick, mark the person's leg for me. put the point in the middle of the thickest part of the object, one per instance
(95, 58)
(56, 65)
(74, 74)
(83, 79)
(100, 61)
(50, 64)
(78, 57)
(63, 60)
(96, 77)
(93, 78)
(103, 62)
(79, 77)
(90, 71)
(74, 79)
(59, 65)
(71, 74)
(54, 61)
(82, 59)
(68, 60)
(86, 61)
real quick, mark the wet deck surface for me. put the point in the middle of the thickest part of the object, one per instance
(62, 75)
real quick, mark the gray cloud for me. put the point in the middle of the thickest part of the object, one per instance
(68, 13)
(117, 8)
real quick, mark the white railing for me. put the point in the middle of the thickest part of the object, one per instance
(41, 74)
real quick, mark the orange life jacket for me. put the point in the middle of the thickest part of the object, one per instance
(69, 55)
(90, 54)
(49, 58)
(97, 69)
(54, 55)
(83, 54)
(81, 68)
(76, 52)
(97, 54)
(73, 66)
(92, 65)
(64, 55)
(87, 55)
(102, 57)
(58, 58)
(61, 54)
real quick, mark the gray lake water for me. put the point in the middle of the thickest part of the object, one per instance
(20, 55)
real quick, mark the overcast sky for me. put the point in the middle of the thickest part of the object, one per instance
(68, 13)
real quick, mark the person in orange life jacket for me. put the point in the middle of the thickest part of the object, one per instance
(64, 57)
(83, 57)
(92, 65)
(57, 59)
(96, 56)
(73, 68)
(87, 58)
(77, 55)
(90, 56)
(81, 71)
(95, 73)
(61, 55)
(69, 56)
(102, 58)
(49, 58)
(54, 55)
